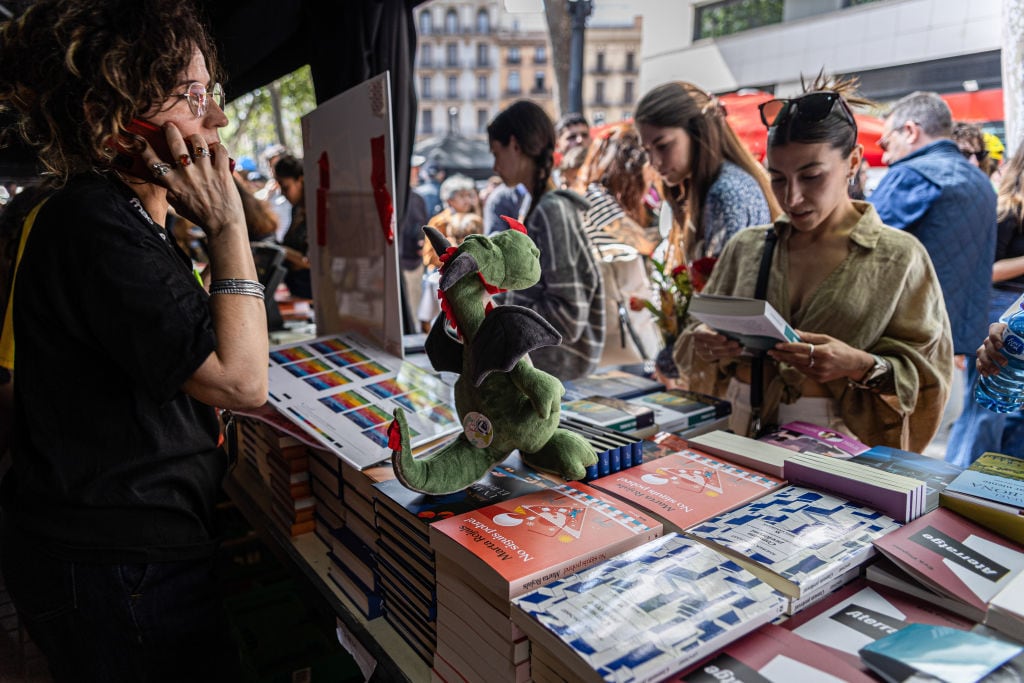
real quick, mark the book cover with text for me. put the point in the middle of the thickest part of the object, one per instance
(687, 487)
(647, 613)
(519, 544)
(955, 557)
(796, 538)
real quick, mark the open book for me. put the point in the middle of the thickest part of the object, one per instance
(754, 323)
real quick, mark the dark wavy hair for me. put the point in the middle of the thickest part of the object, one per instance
(75, 72)
(712, 141)
(535, 134)
(616, 161)
(835, 129)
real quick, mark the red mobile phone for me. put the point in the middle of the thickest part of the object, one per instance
(133, 164)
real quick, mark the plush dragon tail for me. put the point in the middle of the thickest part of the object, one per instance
(451, 469)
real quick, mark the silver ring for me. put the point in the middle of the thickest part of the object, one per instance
(160, 169)
(810, 352)
(811, 364)
(201, 152)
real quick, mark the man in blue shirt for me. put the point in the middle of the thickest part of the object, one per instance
(934, 193)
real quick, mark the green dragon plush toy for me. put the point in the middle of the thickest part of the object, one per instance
(504, 402)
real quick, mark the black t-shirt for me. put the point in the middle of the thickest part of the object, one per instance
(112, 461)
(1009, 244)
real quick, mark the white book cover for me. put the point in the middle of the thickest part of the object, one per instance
(800, 536)
(752, 322)
(343, 392)
(647, 613)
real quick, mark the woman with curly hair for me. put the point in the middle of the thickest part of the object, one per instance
(713, 184)
(875, 356)
(121, 353)
(570, 294)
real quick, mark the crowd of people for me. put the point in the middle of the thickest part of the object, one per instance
(108, 537)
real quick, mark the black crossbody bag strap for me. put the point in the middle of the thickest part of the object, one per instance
(757, 364)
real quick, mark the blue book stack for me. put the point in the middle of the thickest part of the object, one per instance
(616, 451)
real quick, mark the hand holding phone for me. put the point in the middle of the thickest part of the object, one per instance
(133, 164)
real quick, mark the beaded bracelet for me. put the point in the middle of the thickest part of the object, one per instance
(232, 286)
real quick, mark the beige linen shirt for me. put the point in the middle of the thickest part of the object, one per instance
(883, 298)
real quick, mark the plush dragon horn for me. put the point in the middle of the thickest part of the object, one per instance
(514, 224)
(437, 240)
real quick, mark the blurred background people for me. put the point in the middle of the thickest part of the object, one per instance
(569, 294)
(289, 176)
(712, 183)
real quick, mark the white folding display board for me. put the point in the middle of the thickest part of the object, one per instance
(351, 217)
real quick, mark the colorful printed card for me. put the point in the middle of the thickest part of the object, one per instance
(344, 393)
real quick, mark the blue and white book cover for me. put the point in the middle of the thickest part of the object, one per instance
(803, 536)
(650, 611)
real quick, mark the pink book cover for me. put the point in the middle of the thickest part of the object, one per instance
(687, 487)
(523, 543)
(772, 653)
(805, 437)
(860, 613)
(954, 557)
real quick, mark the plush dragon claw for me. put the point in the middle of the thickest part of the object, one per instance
(504, 402)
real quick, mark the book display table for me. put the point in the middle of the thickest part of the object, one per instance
(373, 640)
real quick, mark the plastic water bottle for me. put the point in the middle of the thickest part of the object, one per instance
(1004, 392)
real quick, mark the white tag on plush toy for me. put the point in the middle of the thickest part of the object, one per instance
(478, 429)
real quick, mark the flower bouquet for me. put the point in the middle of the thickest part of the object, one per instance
(672, 290)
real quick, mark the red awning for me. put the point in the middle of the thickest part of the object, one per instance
(744, 117)
(981, 106)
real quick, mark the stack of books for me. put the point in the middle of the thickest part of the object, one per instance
(952, 562)
(936, 474)
(615, 450)
(291, 500)
(613, 413)
(677, 410)
(489, 556)
(991, 493)
(405, 558)
(902, 498)
(804, 543)
(643, 615)
(325, 484)
(611, 383)
(744, 451)
(683, 488)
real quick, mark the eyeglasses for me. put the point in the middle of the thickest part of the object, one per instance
(812, 107)
(198, 98)
(979, 156)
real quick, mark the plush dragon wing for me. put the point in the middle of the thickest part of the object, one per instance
(507, 334)
(444, 352)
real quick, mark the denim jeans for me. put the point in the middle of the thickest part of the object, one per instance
(120, 622)
(979, 430)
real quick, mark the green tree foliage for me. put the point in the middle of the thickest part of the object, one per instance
(733, 16)
(270, 115)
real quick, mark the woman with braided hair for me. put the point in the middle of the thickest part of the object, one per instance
(713, 184)
(569, 294)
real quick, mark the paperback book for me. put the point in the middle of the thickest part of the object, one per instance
(687, 487)
(859, 614)
(647, 613)
(611, 383)
(613, 413)
(754, 323)
(678, 410)
(519, 544)
(956, 558)
(992, 479)
(935, 473)
(772, 654)
(927, 652)
(797, 539)
(805, 437)
(900, 497)
(744, 451)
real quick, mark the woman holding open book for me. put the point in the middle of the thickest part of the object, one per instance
(875, 356)
(109, 530)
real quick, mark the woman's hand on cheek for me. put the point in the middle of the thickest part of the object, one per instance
(823, 358)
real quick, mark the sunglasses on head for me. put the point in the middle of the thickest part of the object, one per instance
(812, 107)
